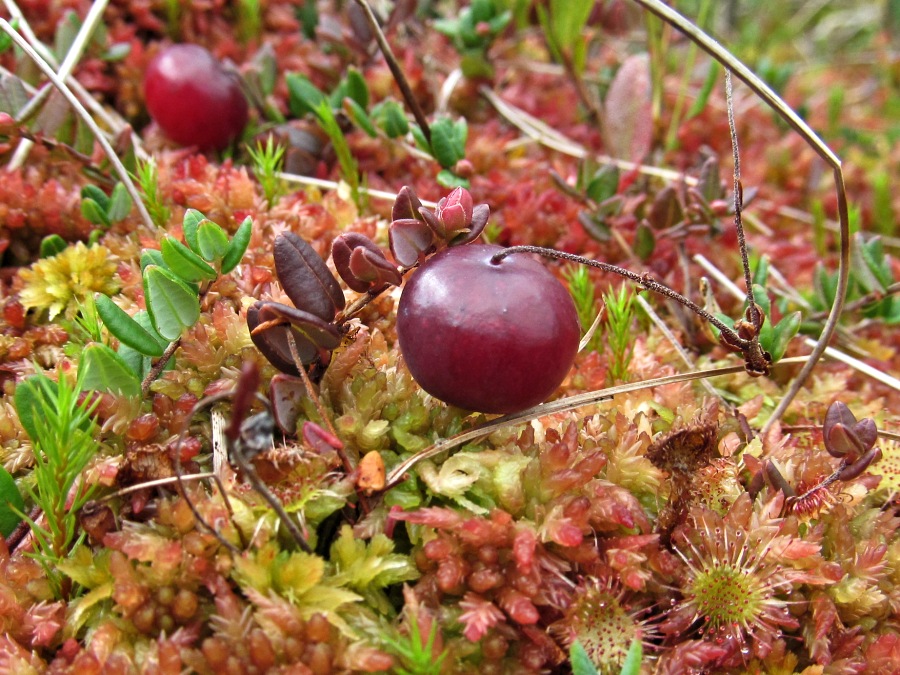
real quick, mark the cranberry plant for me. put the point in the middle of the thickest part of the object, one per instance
(173, 280)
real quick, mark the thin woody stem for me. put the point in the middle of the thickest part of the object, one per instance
(399, 77)
(644, 280)
(739, 201)
(158, 367)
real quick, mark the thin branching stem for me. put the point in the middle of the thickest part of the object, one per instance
(644, 280)
(738, 189)
(767, 94)
(396, 71)
(85, 117)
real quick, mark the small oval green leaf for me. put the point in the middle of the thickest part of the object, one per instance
(119, 203)
(127, 330)
(212, 241)
(357, 89)
(52, 245)
(150, 256)
(192, 219)
(238, 246)
(184, 262)
(96, 194)
(104, 370)
(172, 304)
(359, 117)
(392, 119)
(93, 212)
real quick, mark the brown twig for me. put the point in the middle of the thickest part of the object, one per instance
(738, 189)
(158, 367)
(396, 71)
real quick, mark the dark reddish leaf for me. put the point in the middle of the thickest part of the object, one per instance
(410, 241)
(310, 333)
(243, 398)
(286, 394)
(844, 435)
(306, 278)
(406, 205)
(480, 216)
(361, 264)
(860, 465)
(320, 440)
(373, 269)
(665, 211)
(435, 223)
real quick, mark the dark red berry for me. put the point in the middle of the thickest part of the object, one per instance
(193, 99)
(492, 337)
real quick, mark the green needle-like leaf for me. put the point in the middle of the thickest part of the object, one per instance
(11, 503)
(172, 304)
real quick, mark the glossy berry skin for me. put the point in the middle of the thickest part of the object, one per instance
(193, 99)
(491, 337)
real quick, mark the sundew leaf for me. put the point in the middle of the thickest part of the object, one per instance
(212, 241)
(126, 329)
(237, 246)
(184, 262)
(11, 503)
(104, 370)
(581, 662)
(172, 304)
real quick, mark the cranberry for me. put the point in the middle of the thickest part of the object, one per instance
(193, 99)
(496, 337)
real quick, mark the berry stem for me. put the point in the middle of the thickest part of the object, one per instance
(644, 280)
